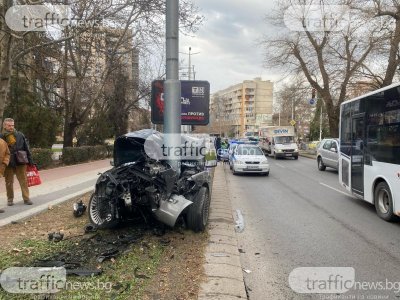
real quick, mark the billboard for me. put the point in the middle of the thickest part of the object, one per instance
(195, 102)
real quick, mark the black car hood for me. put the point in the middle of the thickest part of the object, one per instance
(130, 147)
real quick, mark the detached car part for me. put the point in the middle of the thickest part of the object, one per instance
(139, 185)
(79, 208)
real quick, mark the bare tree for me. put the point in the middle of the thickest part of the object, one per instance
(381, 66)
(328, 57)
(140, 22)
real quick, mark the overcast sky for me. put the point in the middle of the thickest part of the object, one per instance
(226, 43)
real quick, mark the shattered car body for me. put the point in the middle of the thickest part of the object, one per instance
(139, 186)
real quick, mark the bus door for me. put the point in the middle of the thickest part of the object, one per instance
(357, 155)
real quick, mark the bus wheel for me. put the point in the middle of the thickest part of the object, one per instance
(384, 202)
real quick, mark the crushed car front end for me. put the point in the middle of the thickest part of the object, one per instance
(144, 187)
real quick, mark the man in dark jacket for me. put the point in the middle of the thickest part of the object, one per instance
(217, 144)
(16, 142)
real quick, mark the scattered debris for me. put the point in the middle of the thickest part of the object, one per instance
(84, 272)
(55, 236)
(257, 253)
(159, 231)
(239, 227)
(79, 208)
(89, 228)
(14, 222)
(165, 242)
(241, 250)
(220, 255)
(140, 275)
(246, 271)
(110, 253)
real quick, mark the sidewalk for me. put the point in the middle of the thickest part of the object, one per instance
(58, 185)
(223, 268)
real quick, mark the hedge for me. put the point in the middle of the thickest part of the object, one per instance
(74, 155)
(42, 157)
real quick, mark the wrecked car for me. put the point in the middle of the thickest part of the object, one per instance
(141, 185)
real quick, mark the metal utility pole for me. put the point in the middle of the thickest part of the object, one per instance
(187, 128)
(172, 85)
(292, 109)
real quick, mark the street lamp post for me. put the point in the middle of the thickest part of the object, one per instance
(187, 128)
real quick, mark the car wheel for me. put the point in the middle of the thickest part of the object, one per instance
(384, 202)
(296, 157)
(266, 173)
(100, 213)
(197, 215)
(321, 165)
(275, 157)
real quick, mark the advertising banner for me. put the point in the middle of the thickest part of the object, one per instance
(195, 102)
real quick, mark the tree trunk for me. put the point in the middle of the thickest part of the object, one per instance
(5, 59)
(69, 130)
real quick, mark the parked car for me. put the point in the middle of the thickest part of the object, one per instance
(247, 158)
(327, 154)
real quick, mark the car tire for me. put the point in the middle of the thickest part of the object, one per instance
(321, 165)
(384, 202)
(296, 157)
(198, 213)
(101, 217)
(275, 157)
(265, 174)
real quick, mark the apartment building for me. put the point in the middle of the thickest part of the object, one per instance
(243, 107)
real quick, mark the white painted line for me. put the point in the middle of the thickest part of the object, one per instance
(332, 188)
(43, 207)
(279, 165)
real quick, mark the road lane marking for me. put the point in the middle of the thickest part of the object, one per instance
(332, 188)
(279, 165)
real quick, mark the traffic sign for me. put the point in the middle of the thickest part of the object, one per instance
(292, 122)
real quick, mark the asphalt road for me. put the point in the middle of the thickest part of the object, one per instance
(301, 217)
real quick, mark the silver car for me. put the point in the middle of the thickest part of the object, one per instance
(328, 154)
(248, 158)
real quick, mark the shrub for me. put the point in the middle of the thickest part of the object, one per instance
(74, 155)
(42, 157)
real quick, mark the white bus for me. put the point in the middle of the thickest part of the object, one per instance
(369, 163)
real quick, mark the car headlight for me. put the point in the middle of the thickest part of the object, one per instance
(239, 162)
(264, 162)
(296, 150)
(278, 150)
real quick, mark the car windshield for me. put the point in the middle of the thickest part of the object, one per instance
(284, 139)
(249, 151)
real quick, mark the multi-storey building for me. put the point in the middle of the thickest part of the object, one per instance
(243, 107)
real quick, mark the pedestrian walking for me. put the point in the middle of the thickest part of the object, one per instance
(4, 159)
(217, 145)
(20, 156)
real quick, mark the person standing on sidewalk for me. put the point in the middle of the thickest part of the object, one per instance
(4, 159)
(17, 144)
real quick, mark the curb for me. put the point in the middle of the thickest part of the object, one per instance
(42, 207)
(312, 156)
(223, 270)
